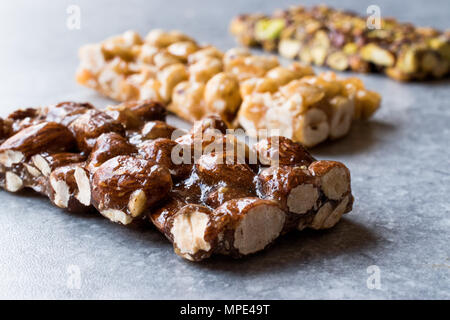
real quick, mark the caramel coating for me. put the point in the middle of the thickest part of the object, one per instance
(107, 146)
(91, 125)
(282, 151)
(116, 179)
(64, 178)
(125, 116)
(159, 151)
(148, 110)
(162, 215)
(214, 168)
(48, 136)
(66, 112)
(157, 129)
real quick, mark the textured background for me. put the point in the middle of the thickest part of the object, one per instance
(399, 162)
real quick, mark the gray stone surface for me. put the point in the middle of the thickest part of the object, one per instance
(399, 162)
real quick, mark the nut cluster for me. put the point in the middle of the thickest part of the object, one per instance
(342, 41)
(119, 162)
(244, 89)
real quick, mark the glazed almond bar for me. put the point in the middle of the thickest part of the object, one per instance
(342, 41)
(251, 91)
(120, 163)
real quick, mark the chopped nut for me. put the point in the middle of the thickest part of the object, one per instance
(214, 168)
(82, 180)
(169, 77)
(342, 111)
(294, 188)
(48, 136)
(46, 162)
(66, 112)
(161, 39)
(182, 49)
(289, 48)
(319, 47)
(160, 151)
(91, 125)
(13, 182)
(209, 51)
(429, 62)
(124, 115)
(334, 178)
(313, 128)
(147, 110)
(157, 129)
(257, 85)
(338, 61)
(373, 53)
(281, 75)
(235, 54)
(329, 214)
(63, 189)
(187, 100)
(282, 151)
(32, 170)
(408, 62)
(268, 29)
(164, 59)
(248, 225)
(203, 70)
(222, 95)
(188, 232)
(126, 175)
(108, 146)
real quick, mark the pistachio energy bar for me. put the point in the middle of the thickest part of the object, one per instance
(342, 41)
